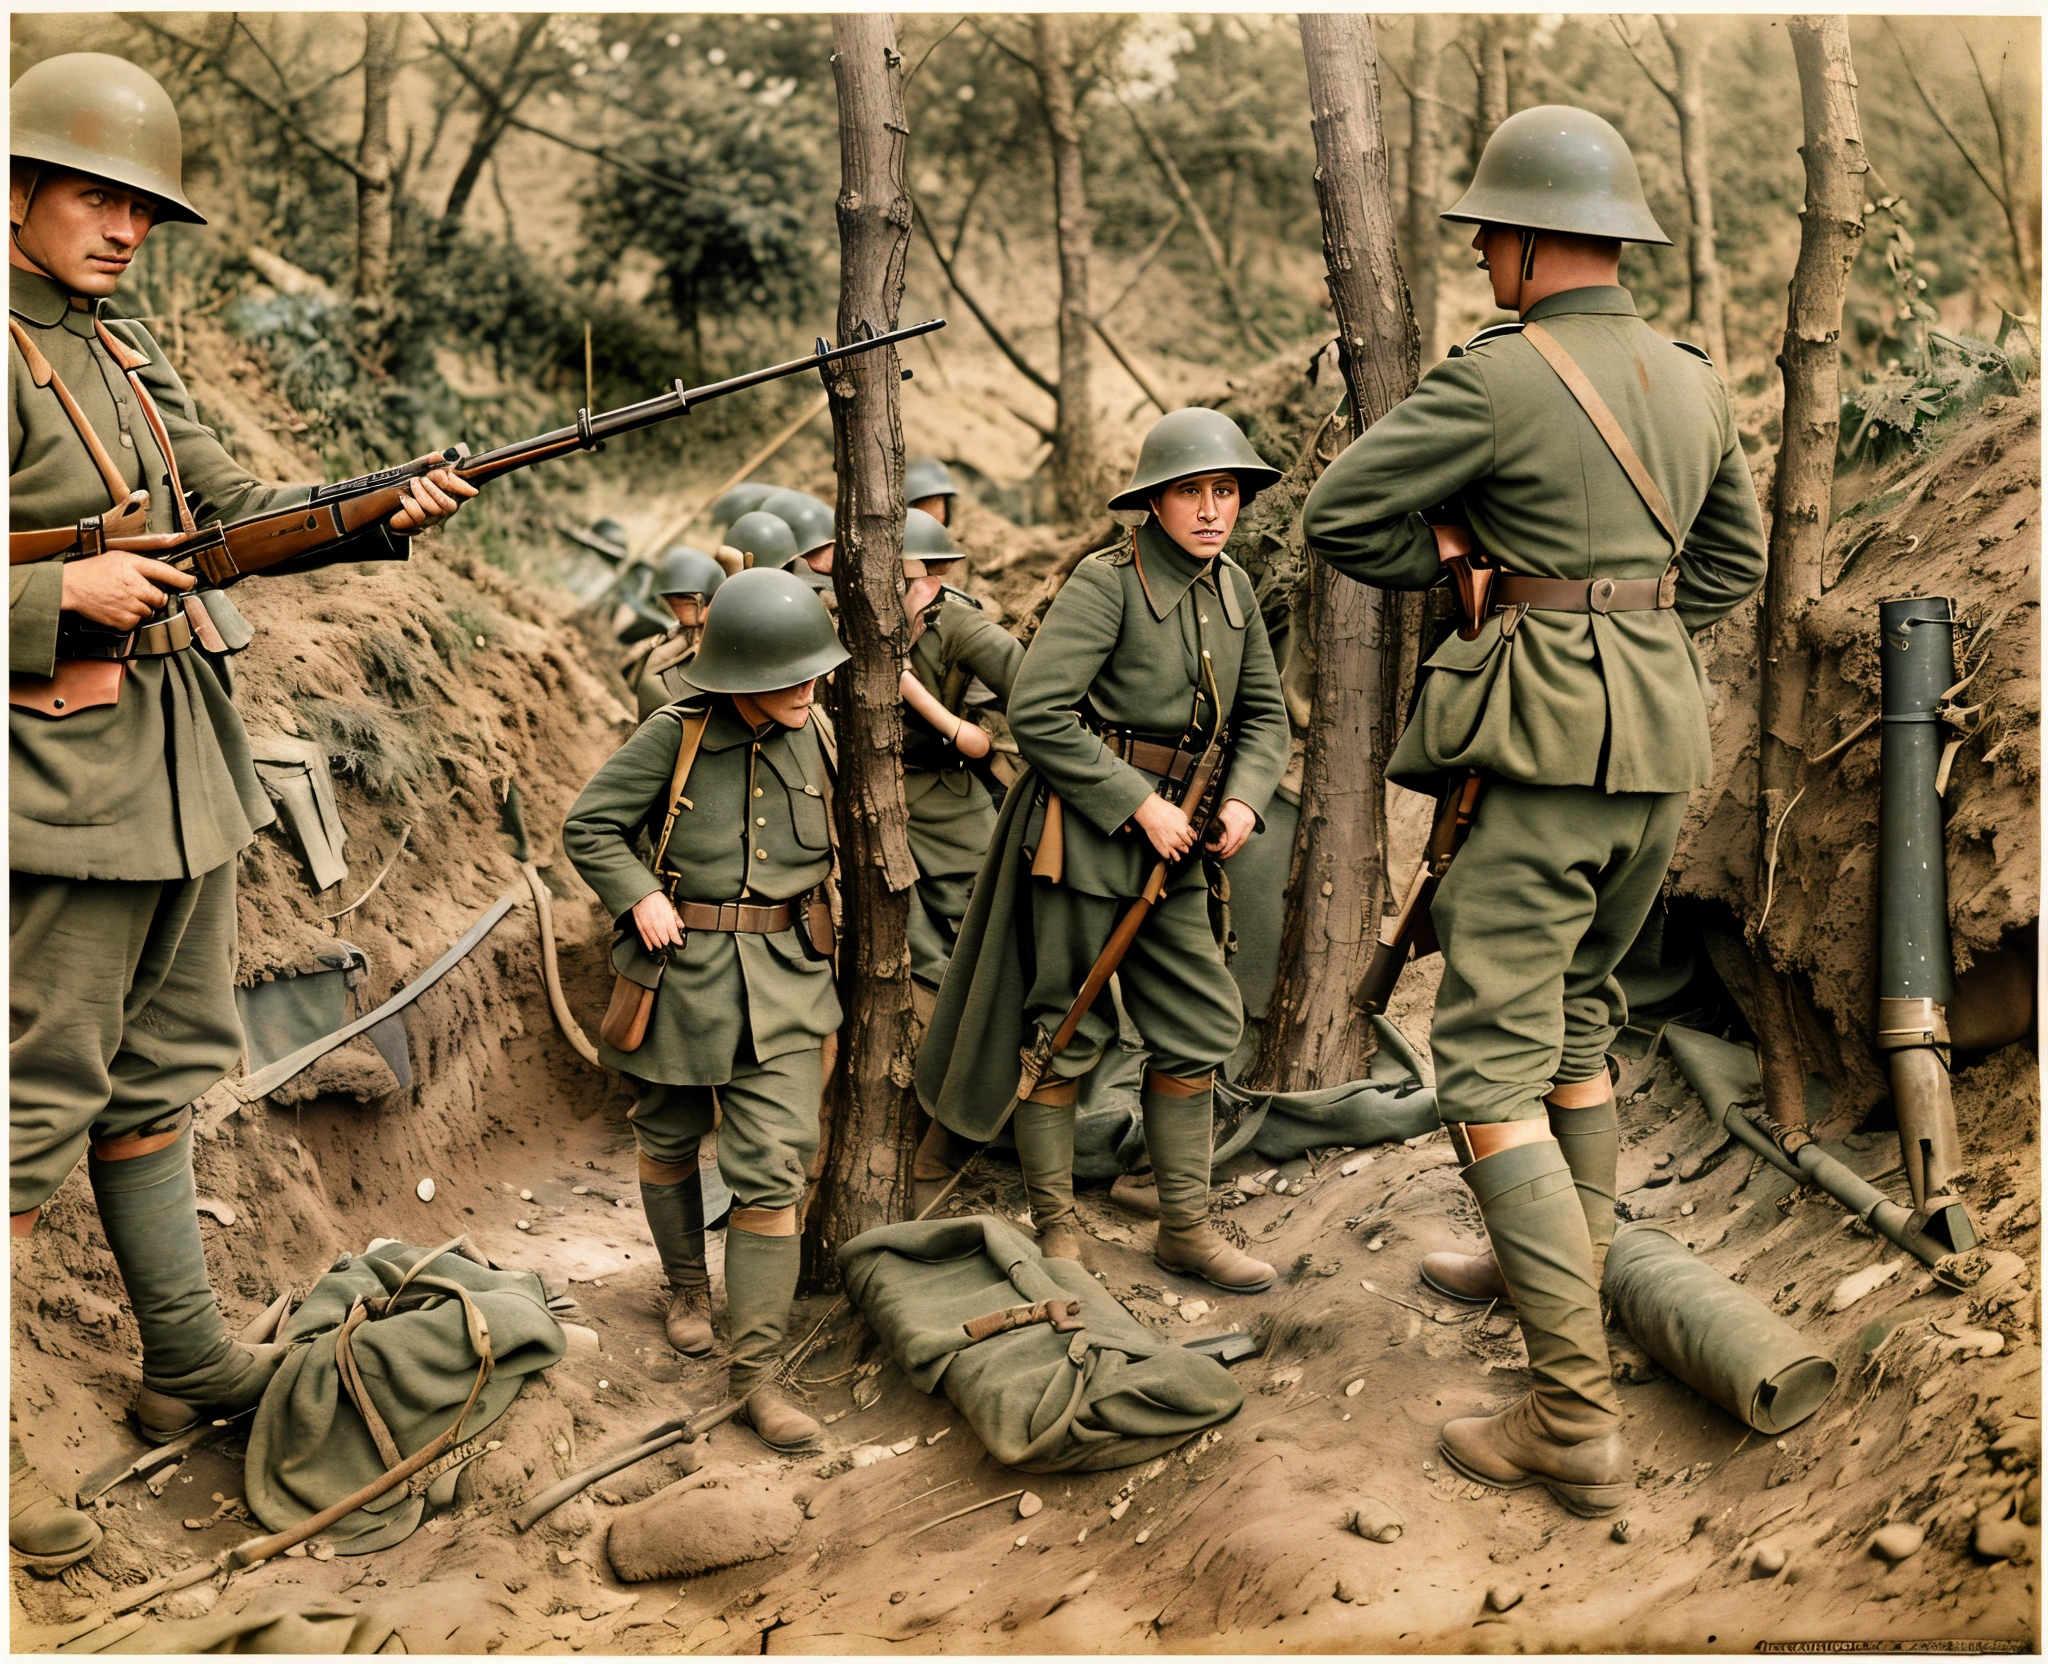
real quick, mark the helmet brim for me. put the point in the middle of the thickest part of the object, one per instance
(170, 207)
(719, 677)
(1250, 482)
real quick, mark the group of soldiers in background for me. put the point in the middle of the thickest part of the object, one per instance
(1596, 462)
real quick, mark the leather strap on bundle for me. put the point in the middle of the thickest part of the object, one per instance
(1063, 1315)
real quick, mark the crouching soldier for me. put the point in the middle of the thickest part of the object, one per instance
(1599, 468)
(953, 643)
(685, 580)
(1151, 650)
(725, 991)
(131, 789)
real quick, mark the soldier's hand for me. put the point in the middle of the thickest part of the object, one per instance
(120, 589)
(429, 500)
(1235, 822)
(654, 916)
(1166, 826)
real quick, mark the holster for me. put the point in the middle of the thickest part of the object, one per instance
(815, 932)
(78, 685)
(624, 1027)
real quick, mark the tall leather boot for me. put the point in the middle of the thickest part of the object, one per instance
(763, 1256)
(672, 1196)
(1044, 1129)
(1179, 1113)
(1566, 1434)
(1591, 1141)
(191, 1367)
(42, 1528)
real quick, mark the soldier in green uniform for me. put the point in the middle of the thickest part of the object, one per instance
(762, 539)
(730, 789)
(685, 581)
(1148, 647)
(953, 644)
(811, 523)
(928, 485)
(1598, 465)
(126, 806)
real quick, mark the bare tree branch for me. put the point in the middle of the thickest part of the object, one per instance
(981, 317)
(1668, 89)
(1941, 120)
(1152, 253)
(1117, 352)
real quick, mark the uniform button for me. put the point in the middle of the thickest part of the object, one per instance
(757, 791)
(760, 855)
(760, 820)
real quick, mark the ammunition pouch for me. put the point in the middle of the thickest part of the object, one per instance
(925, 751)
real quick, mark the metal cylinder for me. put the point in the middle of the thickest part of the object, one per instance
(1721, 1341)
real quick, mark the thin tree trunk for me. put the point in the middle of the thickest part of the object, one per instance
(498, 107)
(1424, 185)
(1073, 449)
(1313, 1036)
(373, 156)
(1830, 234)
(1695, 150)
(871, 1128)
(1490, 54)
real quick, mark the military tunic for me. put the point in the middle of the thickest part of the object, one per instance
(743, 1013)
(123, 819)
(1590, 727)
(654, 670)
(1125, 642)
(952, 817)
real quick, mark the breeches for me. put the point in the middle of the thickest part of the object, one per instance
(1548, 893)
(767, 1119)
(121, 1011)
(1173, 981)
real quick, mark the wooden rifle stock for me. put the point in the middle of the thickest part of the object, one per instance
(1412, 935)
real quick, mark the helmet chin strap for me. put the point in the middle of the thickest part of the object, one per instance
(1528, 266)
(28, 203)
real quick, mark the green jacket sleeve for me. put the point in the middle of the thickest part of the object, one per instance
(1365, 514)
(988, 650)
(606, 818)
(33, 593)
(1723, 560)
(1259, 719)
(1079, 632)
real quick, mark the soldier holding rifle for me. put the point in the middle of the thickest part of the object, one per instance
(1598, 468)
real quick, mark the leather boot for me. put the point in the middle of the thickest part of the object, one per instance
(42, 1529)
(1177, 1132)
(192, 1369)
(940, 1154)
(1591, 1141)
(672, 1197)
(1566, 1434)
(1045, 1150)
(762, 1258)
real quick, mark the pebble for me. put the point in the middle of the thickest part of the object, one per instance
(1355, 1388)
(1687, 1210)
(1503, 1597)
(1897, 1541)
(564, 1557)
(1121, 1509)
(1349, 1595)
(1193, 1311)
(1028, 1504)
(1078, 1541)
(1622, 1531)
(1373, 1520)
(902, 1447)
(526, 1195)
(579, 1190)
(524, 1224)
(424, 1190)
(1169, 1298)
(1769, 1561)
(603, 1386)
(898, 1597)
(1374, 1246)
(1279, 1187)
(1999, 1539)
(1143, 1536)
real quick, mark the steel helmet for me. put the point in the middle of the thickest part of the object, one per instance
(1558, 168)
(1194, 441)
(925, 538)
(763, 538)
(741, 499)
(765, 629)
(809, 519)
(106, 117)
(686, 571)
(606, 537)
(927, 476)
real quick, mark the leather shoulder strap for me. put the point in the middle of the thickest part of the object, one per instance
(44, 374)
(686, 757)
(1607, 427)
(132, 363)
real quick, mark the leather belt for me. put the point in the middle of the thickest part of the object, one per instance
(1512, 589)
(151, 641)
(1166, 760)
(743, 918)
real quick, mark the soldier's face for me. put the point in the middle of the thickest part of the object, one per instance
(789, 706)
(689, 609)
(81, 231)
(1199, 512)
(1500, 257)
(939, 508)
(820, 560)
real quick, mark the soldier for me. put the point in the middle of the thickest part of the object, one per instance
(952, 818)
(811, 522)
(741, 499)
(730, 933)
(928, 485)
(1599, 466)
(685, 581)
(127, 806)
(1146, 649)
(760, 539)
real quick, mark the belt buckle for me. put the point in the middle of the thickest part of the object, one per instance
(1600, 595)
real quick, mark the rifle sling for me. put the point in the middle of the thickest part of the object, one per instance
(1608, 428)
(44, 374)
(132, 363)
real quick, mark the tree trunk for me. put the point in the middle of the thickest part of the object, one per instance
(498, 108)
(869, 1123)
(1424, 185)
(1695, 151)
(373, 156)
(1830, 234)
(1313, 1036)
(1490, 53)
(1073, 446)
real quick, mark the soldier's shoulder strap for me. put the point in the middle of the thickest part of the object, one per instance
(44, 374)
(960, 595)
(1227, 590)
(1492, 332)
(1700, 353)
(1117, 554)
(636, 653)
(1610, 431)
(694, 721)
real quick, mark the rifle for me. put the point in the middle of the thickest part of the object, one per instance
(1411, 934)
(220, 555)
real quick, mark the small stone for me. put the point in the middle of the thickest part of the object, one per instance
(424, 1190)
(1169, 1298)
(903, 1447)
(1354, 1165)
(561, 1445)
(526, 1195)
(1078, 1541)
(1999, 1539)
(1503, 1597)
(1373, 1520)
(1028, 1504)
(1348, 1593)
(579, 1190)
(1897, 1541)
(898, 1598)
(320, 1549)
(1193, 1311)
(1143, 1536)
(524, 1224)
(1769, 1561)
(1121, 1509)
(1663, 1160)
(603, 1385)
(1622, 1531)
(1355, 1388)
(564, 1557)
(1687, 1209)
(1374, 1246)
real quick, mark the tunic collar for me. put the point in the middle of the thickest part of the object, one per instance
(35, 297)
(726, 729)
(1608, 298)
(1169, 571)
